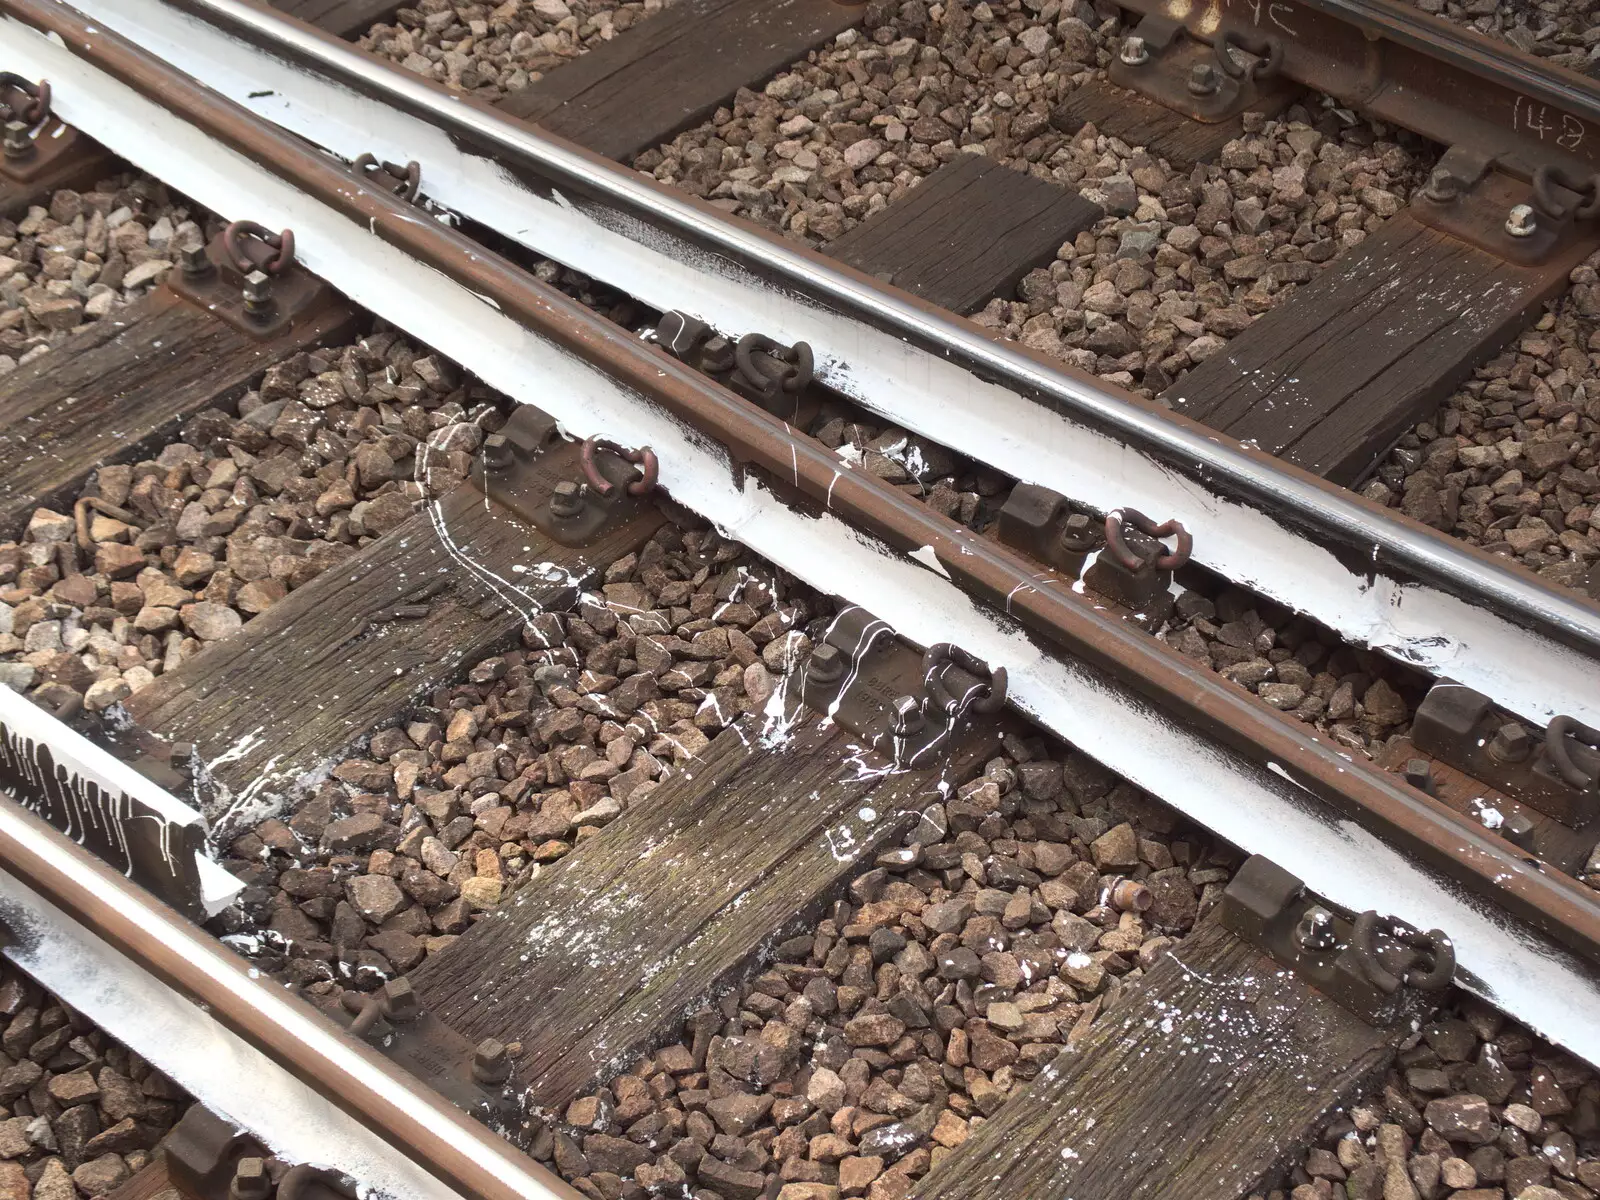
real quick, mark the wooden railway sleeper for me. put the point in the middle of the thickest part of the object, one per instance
(1376, 967)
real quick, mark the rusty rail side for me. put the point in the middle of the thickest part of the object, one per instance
(1413, 822)
(1419, 72)
(421, 1124)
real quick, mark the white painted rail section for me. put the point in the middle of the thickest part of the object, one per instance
(104, 804)
(1257, 544)
(1261, 809)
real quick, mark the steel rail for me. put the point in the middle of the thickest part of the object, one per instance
(418, 1122)
(1298, 499)
(1416, 824)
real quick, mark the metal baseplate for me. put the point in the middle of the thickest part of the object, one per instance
(1130, 566)
(209, 1158)
(1209, 83)
(572, 492)
(906, 704)
(1376, 967)
(475, 1078)
(1556, 773)
(246, 276)
(774, 377)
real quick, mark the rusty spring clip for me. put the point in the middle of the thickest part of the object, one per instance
(1268, 51)
(1545, 180)
(283, 243)
(38, 94)
(406, 181)
(644, 459)
(797, 357)
(1557, 735)
(1433, 948)
(982, 697)
(1126, 558)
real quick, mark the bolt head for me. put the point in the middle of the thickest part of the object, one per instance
(194, 260)
(1517, 829)
(1522, 221)
(17, 142)
(1315, 930)
(1419, 774)
(826, 663)
(566, 498)
(1203, 79)
(400, 1001)
(490, 1062)
(1134, 51)
(905, 714)
(251, 1180)
(1511, 743)
(257, 288)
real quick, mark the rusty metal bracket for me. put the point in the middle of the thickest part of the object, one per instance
(1043, 525)
(1527, 224)
(475, 1078)
(1208, 83)
(908, 706)
(206, 1157)
(1417, 72)
(1557, 773)
(1135, 568)
(774, 377)
(573, 492)
(402, 179)
(35, 141)
(273, 295)
(1376, 967)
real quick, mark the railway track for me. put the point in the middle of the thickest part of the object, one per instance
(610, 663)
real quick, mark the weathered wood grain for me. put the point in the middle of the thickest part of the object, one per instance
(342, 18)
(1335, 374)
(122, 385)
(671, 71)
(967, 232)
(1213, 1071)
(1127, 115)
(320, 669)
(605, 953)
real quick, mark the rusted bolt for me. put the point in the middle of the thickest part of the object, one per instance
(1521, 222)
(1077, 532)
(497, 452)
(1315, 931)
(1129, 895)
(250, 1180)
(1517, 829)
(257, 293)
(826, 664)
(1204, 80)
(1419, 774)
(400, 1003)
(1134, 52)
(195, 261)
(1442, 187)
(1510, 743)
(567, 499)
(905, 715)
(490, 1062)
(18, 144)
